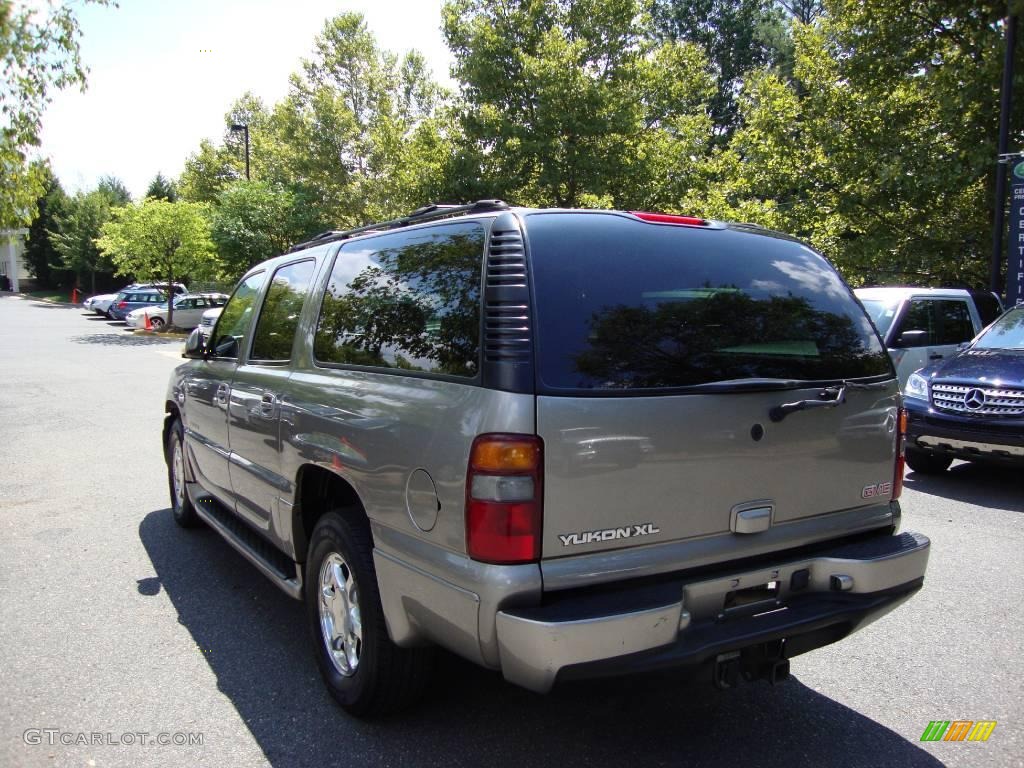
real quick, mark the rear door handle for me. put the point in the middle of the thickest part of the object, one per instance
(936, 357)
(268, 404)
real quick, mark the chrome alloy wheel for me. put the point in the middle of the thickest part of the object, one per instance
(178, 474)
(341, 624)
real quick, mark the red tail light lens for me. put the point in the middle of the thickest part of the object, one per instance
(122, 304)
(668, 218)
(901, 439)
(504, 513)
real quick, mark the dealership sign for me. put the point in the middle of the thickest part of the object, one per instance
(1015, 261)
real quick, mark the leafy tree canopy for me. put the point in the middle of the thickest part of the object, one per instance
(156, 238)
(39, 53)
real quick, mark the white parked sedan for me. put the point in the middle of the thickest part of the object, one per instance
(100, 303)
(188, 310)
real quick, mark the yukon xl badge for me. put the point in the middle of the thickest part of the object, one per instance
(608, 534)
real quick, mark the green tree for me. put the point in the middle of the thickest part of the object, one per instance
(39, 53)
(41, 256)
(737, 36)
(361, 135)
(255, 220)
(162, 188)
(571, 102)
(75, 232)
(158, 238)
(881, 148)
(207, 173)
(114, 190)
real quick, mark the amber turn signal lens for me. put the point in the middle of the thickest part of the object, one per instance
(497, 453)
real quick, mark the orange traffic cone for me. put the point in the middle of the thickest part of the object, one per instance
(148, 325)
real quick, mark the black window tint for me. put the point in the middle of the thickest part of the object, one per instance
(988, 307)
(408, 300)
(920, 316)
(275, 331)
(954, 321)
(233, 323)
(628, 305)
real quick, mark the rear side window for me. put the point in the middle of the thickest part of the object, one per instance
(954, 322)
(946, 321)
(625, 305)
(409, 300)
(275, 331)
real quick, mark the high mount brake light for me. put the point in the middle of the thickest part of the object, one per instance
(504, 513)
(668, 218)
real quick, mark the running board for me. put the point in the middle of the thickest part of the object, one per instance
(271, 562)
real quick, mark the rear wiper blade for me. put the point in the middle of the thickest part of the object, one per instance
(829, 397)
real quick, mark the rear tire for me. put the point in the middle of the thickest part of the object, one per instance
(364, 671)
(181, 505)
(927, 463)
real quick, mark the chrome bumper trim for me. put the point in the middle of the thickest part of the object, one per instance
(949, 443)
(534, 651)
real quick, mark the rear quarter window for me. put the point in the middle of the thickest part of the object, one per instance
(625, 305)
(407, 301)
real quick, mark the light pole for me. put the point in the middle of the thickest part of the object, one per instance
(245, 129)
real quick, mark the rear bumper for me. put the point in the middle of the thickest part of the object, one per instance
(819, 599)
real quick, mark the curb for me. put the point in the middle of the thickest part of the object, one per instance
(160, 334)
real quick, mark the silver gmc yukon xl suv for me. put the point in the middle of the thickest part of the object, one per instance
(559, 443)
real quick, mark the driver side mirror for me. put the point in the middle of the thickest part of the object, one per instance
(195, 349)
(912, 339)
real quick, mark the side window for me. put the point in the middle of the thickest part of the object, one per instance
(233, 323)
(920, 316)
(279, 318)
(409, 300)
(954, 322)
(988, 307)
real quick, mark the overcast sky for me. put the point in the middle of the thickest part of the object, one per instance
(164, 72)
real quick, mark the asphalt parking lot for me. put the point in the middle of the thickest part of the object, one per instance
(114, 621)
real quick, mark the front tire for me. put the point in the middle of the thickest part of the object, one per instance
(156, 323)
(365, 672)
(181, 505)
(927, 463)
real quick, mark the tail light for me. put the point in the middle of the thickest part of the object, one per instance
(901, 440)
(504, 495)
(122, 305)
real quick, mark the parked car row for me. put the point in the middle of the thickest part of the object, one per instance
(136, 304)
(961, 367)
(102, 303)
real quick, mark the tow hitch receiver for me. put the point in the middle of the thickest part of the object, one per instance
(760, 662)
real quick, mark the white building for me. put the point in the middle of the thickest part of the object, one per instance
(12, 262)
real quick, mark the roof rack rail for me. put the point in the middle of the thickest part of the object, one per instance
(426, 213)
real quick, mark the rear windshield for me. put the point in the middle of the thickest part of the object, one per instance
(623, 304)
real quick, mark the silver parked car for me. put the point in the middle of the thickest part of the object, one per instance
(188, 311)
(559, 443)
(920, 326)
